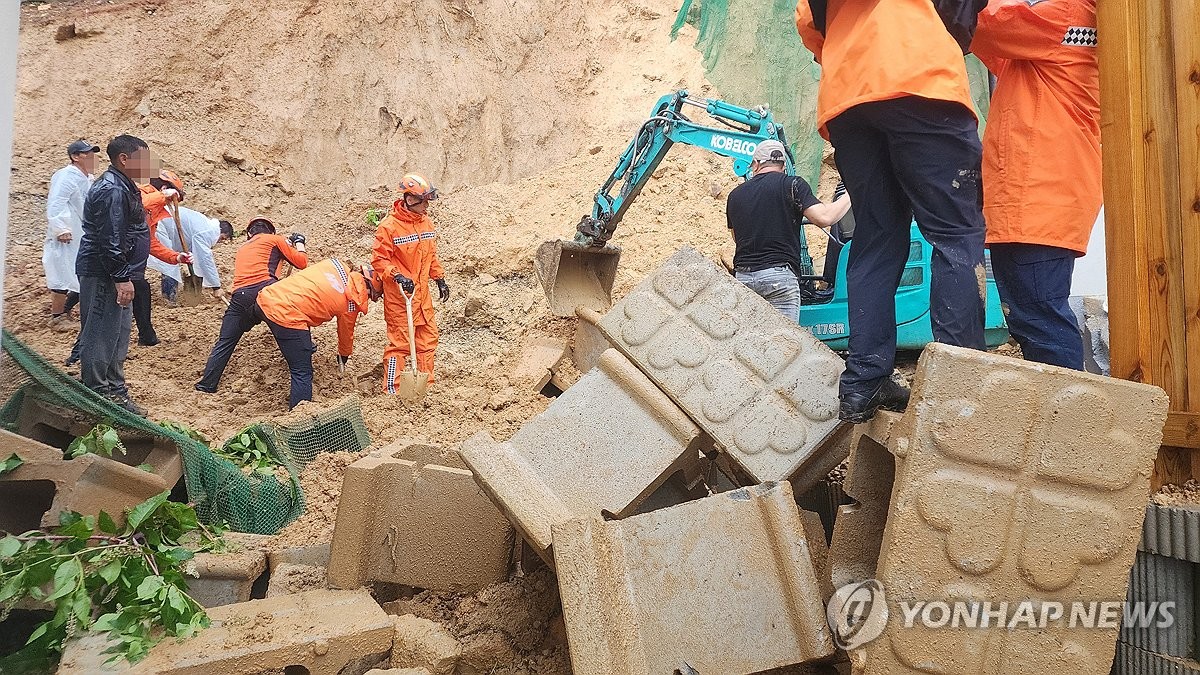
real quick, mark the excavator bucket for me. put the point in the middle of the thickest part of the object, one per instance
(575, 275)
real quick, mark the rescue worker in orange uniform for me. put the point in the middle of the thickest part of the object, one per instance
(166, 189)
(292, 306)
(895, 103)
(1041, 164)
(255, 266)
(406, 260)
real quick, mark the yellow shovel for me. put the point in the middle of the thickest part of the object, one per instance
(413, 383)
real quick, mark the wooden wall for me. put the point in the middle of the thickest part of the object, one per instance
(1150, 99)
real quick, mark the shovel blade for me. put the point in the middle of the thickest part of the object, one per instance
(574, 275)
(413, 385)
(191, 291)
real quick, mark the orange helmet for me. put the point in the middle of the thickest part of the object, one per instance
(171, 178)
(374, 283)
(416, 185)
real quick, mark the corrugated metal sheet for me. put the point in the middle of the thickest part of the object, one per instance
(1172, 531)
(1158, 579)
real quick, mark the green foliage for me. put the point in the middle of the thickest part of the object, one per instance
(249, 448)
(126, 581)
(101, 440)
(10, 464)
(186, 431)
(375, 215)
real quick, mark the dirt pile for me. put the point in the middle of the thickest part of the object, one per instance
(1187, 494)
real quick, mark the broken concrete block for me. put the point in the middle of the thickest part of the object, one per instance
(226, 578)
(589, 342)
(423, 525)
(37, 492)
(26, 448)
(316, 555)
(421, 643)
(318, 632)
(537, 363)
(1014, 480)
(423, 452)
(725, 584)
(858, 528)
(763, 387)
(602, 447)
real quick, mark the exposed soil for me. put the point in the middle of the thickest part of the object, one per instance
(1187, 494)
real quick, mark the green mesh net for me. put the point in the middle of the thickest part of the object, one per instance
(220, 490)
(309, 430)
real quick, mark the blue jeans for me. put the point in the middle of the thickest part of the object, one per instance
(903, 158)
(169, 287)
(778, 286)
(1035, 283)
(104, 336)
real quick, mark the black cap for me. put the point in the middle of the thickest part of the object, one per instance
(82, 146)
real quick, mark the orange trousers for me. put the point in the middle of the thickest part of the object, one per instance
(396, 354)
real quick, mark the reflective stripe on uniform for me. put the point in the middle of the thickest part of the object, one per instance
(391, 375)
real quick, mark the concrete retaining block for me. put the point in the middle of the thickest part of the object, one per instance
(399, 671)
(37, 492)
(1156, 579)
(228, 578)
(1133, 661)
(1172, 531)
(287, 579)
(858, 528)
(602, 447)
(321, 632)
(425, 644)
(1014, 480)
(763, 387)
(538, 362)
(725, 584)
(589, 341)
(423, 525)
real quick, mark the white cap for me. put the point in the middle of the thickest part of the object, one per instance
(770, 151)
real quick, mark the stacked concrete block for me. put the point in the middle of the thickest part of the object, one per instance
(601, 448)
(318, 632)
(57, 426)
(39, 490)
(425, 644)
(1133, 661)
(537, 364)
(589, 341)
(1013, 480)
(725, 584)
(1172, 531)
(417, 524)
(763, 387)
(229, 577)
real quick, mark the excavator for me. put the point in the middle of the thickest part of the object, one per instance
(580, 272)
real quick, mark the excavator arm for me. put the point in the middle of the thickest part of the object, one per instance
(580, 273)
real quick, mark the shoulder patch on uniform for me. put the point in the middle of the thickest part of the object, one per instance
(1080, 36)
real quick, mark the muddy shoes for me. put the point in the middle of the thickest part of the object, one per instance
(859, 407)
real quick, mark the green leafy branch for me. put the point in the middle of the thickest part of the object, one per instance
(375, 215)
(124, 580)
(101, 440)
(249, 448)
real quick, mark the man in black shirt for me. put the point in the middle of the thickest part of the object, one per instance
(764, 215)
(112, 254)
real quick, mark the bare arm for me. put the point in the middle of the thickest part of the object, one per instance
(825, 215)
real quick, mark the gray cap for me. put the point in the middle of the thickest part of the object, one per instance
(82, 146)
(770, 151)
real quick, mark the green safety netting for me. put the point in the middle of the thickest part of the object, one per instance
(220, 490)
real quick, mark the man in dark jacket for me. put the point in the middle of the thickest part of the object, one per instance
(112, 253)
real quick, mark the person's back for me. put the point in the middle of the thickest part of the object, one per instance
(258, 260)
(311, 297)
(765, 224)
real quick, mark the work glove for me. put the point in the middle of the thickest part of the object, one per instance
(171, 194)
(405, 283)
(443, 289)
(185, 259)
(296, 238)
(342, 361)
(839, 191)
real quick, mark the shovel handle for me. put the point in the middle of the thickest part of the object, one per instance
(412, 343)
(174, 210)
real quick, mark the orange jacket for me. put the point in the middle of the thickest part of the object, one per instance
(406, 243)
(882, 50)
(315, 295)
(155, 204)
(1041, 149)
(258, 260)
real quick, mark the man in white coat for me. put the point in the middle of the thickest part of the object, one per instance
(203, 234)
(64, 229)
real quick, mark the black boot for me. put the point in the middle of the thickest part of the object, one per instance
(858, 407)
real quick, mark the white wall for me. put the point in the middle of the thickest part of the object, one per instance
(10, 13)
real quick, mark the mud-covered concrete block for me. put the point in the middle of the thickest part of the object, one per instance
(26, 448)
(424, 525)
(858, 528)
(589, 341)
(38, 491)
(287, 579)
(421, 643)
(602, 447)
(316, 555)
(1014, 480)
(537, 362)
(318, 632)
(763, 387)
(725, 584)
(226, 578)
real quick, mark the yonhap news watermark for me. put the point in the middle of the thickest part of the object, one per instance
(859, 613)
